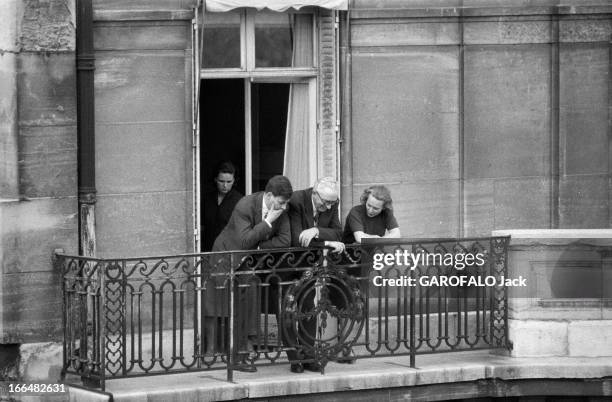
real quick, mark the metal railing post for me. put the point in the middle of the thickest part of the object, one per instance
(231, 351)
(124, 316)
(507, 343)
(412, 318)
(58, 263)
(319, 283)
(83, 317)
(102, 325)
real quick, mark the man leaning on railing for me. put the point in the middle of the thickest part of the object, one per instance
(258, 221)
(313, 214)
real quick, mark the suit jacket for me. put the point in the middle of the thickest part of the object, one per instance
(301, 215)
(247, 231)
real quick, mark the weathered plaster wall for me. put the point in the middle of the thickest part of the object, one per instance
(9, 178)
(476, 121)
(47, 25)
(38, 177)
(143, 133)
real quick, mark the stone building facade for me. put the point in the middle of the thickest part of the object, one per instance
(482, 117)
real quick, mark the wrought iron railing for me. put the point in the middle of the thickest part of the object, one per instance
(157, 315)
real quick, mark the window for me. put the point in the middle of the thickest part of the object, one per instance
(258, 96)
(222, 38)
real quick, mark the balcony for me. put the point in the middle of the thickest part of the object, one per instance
(138, 317)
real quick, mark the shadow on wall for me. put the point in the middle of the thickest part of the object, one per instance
(580, 272)
(9, 362)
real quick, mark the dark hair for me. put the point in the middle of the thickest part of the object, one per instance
(226, 167)
(379, 192)
(279, 186)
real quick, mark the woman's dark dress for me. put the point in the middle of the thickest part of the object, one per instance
(214, 219)
(216, 216)
(359, 221)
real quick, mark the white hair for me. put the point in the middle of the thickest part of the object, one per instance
(327, 186)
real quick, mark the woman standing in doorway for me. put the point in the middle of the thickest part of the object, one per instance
(219, 204)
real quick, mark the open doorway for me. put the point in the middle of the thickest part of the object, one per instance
(258, 99)
(246, 123)
(224, 135)
(221, 129)
(269, 103)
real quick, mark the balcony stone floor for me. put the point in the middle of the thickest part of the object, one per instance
(471, 374)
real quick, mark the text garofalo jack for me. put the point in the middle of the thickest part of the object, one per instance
(458, 261)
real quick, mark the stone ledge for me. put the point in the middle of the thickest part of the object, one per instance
(576, 338)
(142, 15)
(79, 394)
(491, 388)
(532, 338)
(381, 376)
(452, 11)
(557, 237)
(590, 338)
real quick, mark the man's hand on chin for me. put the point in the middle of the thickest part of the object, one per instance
(273, 215)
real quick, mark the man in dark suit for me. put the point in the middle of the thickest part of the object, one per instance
(313, 214)
(258, 221)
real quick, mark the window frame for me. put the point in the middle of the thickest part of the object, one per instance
(250, 73)
(324, 131)
(247, 67)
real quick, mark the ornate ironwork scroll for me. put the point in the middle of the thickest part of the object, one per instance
(167, 314)
(325, 292)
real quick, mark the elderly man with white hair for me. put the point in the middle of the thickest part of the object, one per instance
(313, 214)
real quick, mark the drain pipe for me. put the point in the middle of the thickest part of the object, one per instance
(86, 159)
(345, 141)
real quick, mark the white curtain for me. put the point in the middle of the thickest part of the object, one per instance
(274, 5)
(297, 156)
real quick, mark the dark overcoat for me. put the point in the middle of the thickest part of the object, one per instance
(301, 216)
(246, 230)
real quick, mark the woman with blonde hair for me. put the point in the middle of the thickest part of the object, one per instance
(373, 218)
